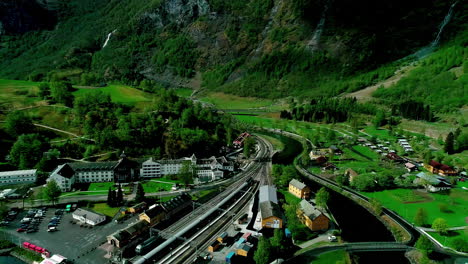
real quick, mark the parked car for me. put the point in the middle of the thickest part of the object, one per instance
(31, 230)
(52, 224)
(25, 220)
(332, 238)
(52, 229)
(20, 230)
(4, 223)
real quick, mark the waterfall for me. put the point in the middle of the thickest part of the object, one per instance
(108, 38)
(314, 41)
(428, 49)
(443, 24)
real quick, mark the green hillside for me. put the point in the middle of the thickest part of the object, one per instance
(253, 48)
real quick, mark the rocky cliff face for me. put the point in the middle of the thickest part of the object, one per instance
(21, 16)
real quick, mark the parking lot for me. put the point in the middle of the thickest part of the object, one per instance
(78, 243)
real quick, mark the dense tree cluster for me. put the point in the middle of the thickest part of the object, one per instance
(173, 127)
(328, 110)
(413, 110)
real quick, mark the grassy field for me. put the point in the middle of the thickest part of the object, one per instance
(18, 94)
(227, 101)
(331, 257)
(290, 199)
(448, 239)
(379, 133)
(277, 144)
(119, 93)
(184, 92)
(152, 186)
(407, 202)
(105, 209)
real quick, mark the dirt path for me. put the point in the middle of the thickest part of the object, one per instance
(366, 93)
(63, 131)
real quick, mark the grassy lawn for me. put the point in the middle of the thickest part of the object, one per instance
(227, 101)
(152, 187)
(277, 144)
(364, 152)
(406, 203)
(79, 193)
(379, 133)
(330, 257)
(100, 186)
(104, 209)
(119, 93)
(448, 239)
(18, 94)
(184, 92)
(290, 199)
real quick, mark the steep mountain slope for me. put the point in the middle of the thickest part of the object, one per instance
(263, 48)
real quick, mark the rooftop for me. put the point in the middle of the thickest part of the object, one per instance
(84, 166)
(17, 172)
(268, 194)
(88, 214)
(269, 209)
(309, 210)
(299, 185)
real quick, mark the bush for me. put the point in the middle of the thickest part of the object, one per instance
(460, 244)
(6, 244)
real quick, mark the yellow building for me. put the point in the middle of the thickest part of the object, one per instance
(314, 219)
(299, 189)
(153, 215)
(270, 211)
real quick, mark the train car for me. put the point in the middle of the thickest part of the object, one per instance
(147, 244)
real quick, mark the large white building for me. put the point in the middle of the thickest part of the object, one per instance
(93, 171)
(18, 177)
(206, 169)
(64, 176)
(123, 170)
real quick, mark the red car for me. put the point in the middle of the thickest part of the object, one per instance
(20, 230)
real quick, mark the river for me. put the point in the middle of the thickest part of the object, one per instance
(356, 223)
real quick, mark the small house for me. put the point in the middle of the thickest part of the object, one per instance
(311, 217)
(88, 217)
(394, 157)
(154, 215)
(222, 237)
(247, 236)
(137, 208)
(335, 150)
(299, 189)
(329, 166)
(229, 256)
(243, 250)
(441, 169)
(410, 167)
(214, 246)
(351, 174)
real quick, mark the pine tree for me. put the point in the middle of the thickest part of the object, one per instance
(420, 218)
(110, 197)
(448, 146)
(119, 196)
(140, 194)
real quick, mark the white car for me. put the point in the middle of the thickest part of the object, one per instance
(332, 238)
(52, 229)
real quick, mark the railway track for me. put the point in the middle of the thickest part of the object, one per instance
(187, 234)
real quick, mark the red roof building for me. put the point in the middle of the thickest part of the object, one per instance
(441, 169)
